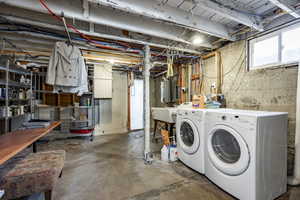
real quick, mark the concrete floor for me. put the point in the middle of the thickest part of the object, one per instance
(111, 168)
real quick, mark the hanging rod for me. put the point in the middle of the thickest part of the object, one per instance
(66, 27)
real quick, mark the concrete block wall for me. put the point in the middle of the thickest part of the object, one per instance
(271, 89)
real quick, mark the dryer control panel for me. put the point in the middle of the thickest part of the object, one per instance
(247, 122)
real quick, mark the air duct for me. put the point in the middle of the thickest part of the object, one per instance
(73, 10)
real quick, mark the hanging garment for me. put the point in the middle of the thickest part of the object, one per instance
(64, 65)
(170, 72)
(79, 90)
(67, 70)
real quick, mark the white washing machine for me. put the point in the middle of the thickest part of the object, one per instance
(190, 137)
(246, 153)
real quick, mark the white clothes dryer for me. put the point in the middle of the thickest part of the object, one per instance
(246, 152)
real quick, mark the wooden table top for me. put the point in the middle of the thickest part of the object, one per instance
(14, 142)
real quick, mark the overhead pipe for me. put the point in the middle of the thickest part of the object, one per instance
(73, 10)
(147, 151)
(295, 180)
(160, 74)
(180, 17)
(101, 35)
(51, 39)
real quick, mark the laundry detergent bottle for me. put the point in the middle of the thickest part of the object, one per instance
(173, 153)
(164, 152)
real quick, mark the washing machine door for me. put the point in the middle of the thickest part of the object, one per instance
(188, 137)
(227, 150)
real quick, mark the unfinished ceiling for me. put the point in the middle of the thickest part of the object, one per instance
(164, 24)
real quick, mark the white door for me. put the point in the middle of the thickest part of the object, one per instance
(137, 105)
(188, 137)
(228, 151)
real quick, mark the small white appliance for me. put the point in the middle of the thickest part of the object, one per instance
(190, 137)
(246, 153)
(168, 114)
(165, 114)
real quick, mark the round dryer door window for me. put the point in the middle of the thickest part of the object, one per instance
(228, 151)
(189, 139)
(225, 146)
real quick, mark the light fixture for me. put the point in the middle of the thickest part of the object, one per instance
(197, 40)
(112, 61)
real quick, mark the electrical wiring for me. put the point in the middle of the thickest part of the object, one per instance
(236, 78)
(49, 34)
(29, 27)
(234, 66)
(18, 48)
(43, 3)
(124, 46)
(20, 30)
(240, 62)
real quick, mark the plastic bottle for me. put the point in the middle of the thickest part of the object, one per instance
(173, 153)
(164, 152)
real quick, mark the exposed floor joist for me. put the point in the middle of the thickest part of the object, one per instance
(106, 36)
(231, 14)
(99, 15)
(284, 6)
(170, 14)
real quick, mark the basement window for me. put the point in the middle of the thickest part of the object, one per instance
(291, 45)
(279, 48)
(266, 51)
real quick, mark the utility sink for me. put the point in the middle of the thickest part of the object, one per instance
(165, 114)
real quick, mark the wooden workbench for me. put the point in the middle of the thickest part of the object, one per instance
(14, 142)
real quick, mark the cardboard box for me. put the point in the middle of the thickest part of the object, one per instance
(198, 101)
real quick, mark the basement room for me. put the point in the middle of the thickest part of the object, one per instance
(149, 100)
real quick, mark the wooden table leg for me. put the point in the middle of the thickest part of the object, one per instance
(1, 193)
(48, 195)
(171, 129)
(34, 147)
(154, 133)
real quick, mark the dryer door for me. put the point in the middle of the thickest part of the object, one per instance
(228, 151)
(188, 137)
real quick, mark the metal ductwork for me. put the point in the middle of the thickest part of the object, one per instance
(96, 34)
(105, 16)
(159, 11)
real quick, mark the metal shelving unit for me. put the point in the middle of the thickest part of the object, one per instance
(89, 110)
(9, 84)
(70, 115)
(13, 84)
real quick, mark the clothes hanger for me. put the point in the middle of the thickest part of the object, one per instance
(69, 42)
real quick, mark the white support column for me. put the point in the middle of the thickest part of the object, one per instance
(147, 151)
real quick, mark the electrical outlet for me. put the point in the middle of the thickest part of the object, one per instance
(213, 85)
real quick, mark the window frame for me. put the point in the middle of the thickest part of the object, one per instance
(252, 41)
